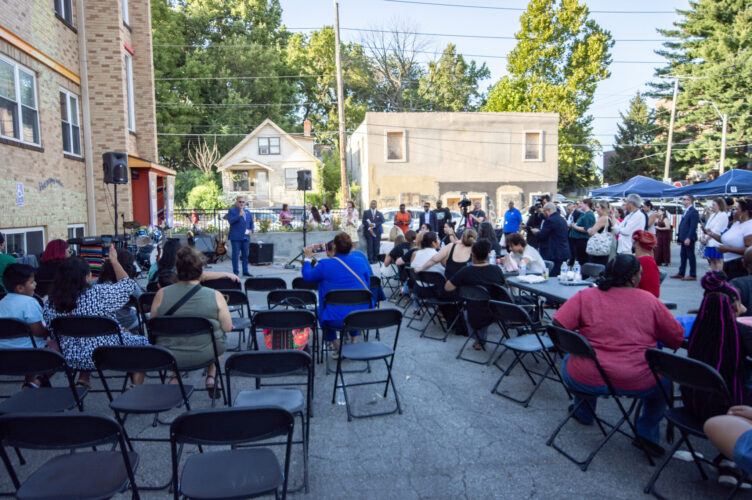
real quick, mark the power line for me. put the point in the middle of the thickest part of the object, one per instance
(519, 9)
(238, 77)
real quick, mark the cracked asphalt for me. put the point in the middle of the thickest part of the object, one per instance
(454, 438)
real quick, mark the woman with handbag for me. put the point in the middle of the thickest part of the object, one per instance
(601, 240)
(663, 233)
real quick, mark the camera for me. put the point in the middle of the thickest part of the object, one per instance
(465, 203)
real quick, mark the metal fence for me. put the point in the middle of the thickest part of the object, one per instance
(265, 219)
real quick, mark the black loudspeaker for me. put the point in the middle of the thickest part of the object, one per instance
(115, 167)
(304, 180)
(261, 253)
(204, 244)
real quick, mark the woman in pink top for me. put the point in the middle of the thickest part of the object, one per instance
(621, 322)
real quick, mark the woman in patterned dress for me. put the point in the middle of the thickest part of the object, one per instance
(72, 294)
(351, 222)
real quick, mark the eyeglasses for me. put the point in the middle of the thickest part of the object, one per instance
(242, 202)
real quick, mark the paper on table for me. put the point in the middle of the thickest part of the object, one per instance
(532, 278)
(247, 232)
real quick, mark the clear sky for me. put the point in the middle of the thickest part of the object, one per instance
(612, 95)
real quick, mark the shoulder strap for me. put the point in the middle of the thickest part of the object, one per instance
(353, 272)
(177, 305)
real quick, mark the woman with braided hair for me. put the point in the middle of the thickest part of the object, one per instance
(620, 338)
(719, 341)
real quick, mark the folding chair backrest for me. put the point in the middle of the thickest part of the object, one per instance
(290, 298)
(180, 326)
(230, 425)
(133, 358)
(15, 329)
(689, 373)
(282, 319)
(84, 326)
(500, 294)
(509, 313)
(301, 284)
(222, 284)
(592, 270)
(268, 363)
(372, 319)
(475, 293)
(435, 280)
(54, 431)
(28, 362)
(264, 284)
(234, 297)
(569, 342)
(145, 301)
(348, 298)
(375, 282)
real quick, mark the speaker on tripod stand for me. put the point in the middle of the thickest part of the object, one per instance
(115, 166)
(305, 183)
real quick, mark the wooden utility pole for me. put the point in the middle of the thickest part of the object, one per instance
(671, 132)
(341, 111)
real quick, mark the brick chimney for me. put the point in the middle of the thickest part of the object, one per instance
(307, 128)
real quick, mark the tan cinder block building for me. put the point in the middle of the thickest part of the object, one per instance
(493, 157)
(76, 80)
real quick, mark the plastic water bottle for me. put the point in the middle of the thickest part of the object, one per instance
(340, 397)
(492, 258)
(523, 268)
(563, 272)
(577, 273)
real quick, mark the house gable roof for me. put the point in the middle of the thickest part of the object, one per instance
(221, 163)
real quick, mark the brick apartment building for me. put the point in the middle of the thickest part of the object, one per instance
(76, 80)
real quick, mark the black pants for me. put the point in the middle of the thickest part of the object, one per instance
(598, 259)
(572, 252)
(580, 253)
(734, 268)
(372, 242)
(556, 270)
(688, 254)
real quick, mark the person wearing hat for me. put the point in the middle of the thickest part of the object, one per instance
(634, 219)
(644, 242)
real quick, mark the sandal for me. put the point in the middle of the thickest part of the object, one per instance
(214, 391)
(83, 383)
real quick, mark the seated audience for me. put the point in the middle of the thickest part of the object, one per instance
(720, 341)
(477, 316)
(55, 252)
(127, 316)
(207, 303)
(487, 232)
(743, 284)
(398, 250)
(455, 255)
(644, 242)
(620, 338)
(521, 252)
(73, 294)
(732, 435)
(168, 260)
(428, 246)
(341, 272)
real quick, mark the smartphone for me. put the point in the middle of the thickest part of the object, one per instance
(106, 242)
(319, 248)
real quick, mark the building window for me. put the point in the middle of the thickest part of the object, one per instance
(125, 12)
(291, 178)
(76, 230)
(25, 241)
(396, 146)
(533, 146)
(268, 145)
(240, 180)
(18, 99)
(64, 9)
(69, 120)
(129, 89)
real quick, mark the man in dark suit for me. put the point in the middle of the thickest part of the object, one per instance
(428, 218)
(686, 237)
(553, 237)
(241, 228)
(372, 222)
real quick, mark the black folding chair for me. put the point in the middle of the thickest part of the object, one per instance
(301, 284)
(431, 285)
(297, 299)
(81, 475)
(264, 285)
(145, 399)
(376, 290)
(692, 374)
(530, 341)
(15, 329)
(143, 306)
(190, 326)
(351, 298)
(237, 300)
(592, 270)
(268, 364)
(574, 344)
(390, 278)
(474, 299)
(374, 319)
(222, 284)
(234, 473)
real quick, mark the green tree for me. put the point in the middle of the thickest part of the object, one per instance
(206, 196)
(560, 56)
(710, 48)
(451, 84)
(634, 150)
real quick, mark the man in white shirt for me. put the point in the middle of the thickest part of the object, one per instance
(634, 220)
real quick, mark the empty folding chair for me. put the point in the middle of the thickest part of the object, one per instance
(353, 299)
(475, 301)
(171, 327)
(530, 341)
(692, 374)
(297, 299)
(238, 301)
(80, 475)
(592, 270)
(275, 364)
(301, 284)
(233, 473)
(375, 319)
(433, 287)
(144, 399)
(574, 344)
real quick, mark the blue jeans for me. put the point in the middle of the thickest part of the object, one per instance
(239, 249)
(653, 405)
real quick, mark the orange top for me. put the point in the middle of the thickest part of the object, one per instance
(402, 221)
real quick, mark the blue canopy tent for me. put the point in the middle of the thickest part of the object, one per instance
(639, 184)
(735, 182)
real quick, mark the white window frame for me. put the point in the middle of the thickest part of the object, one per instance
(129, 92)
(125, 12)
(17, 67)
(268, 140)
(68, 95)
(74, 227)
(540, 144)
(24, 230)
(295, 178)
(66, 10)
(404, 145)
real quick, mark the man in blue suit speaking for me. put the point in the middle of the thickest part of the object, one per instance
(241, 228)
